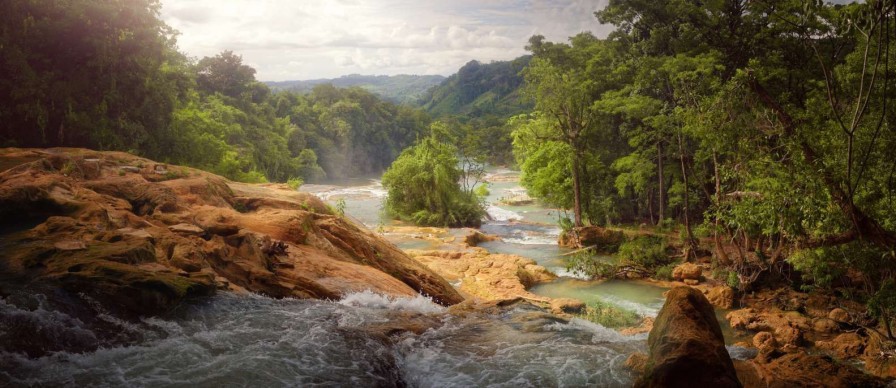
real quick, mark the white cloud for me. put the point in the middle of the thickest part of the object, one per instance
(287, 39)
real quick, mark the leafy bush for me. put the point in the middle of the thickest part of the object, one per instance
(423, 187)
(295, 182)
(732, 280)
(664, 272)
(609, 315)
(646, 251)
(590, 264)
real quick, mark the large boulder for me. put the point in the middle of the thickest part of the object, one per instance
(601, 239)
(98, 224)
(686, 345)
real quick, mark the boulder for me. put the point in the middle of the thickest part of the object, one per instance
(687, 271)
(844, 346)
(602, 239)
(839, 315)
(567, 306)
(721, 296)
(637, 362)
(687, 348)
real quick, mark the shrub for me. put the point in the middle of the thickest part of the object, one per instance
(609, 315)
(295, 182)
(589, 264)
(423, 187)
(664, 272)
(646, 251)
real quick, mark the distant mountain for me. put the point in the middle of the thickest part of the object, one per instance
(480, 90)
(396, 88)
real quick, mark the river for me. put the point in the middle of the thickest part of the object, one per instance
(240, 340)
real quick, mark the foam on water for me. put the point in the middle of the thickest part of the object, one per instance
(565, 273)
(501, 214)
(374, 190)
(239, 340)
(370, 299)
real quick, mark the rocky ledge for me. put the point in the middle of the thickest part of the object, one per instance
(139, 236)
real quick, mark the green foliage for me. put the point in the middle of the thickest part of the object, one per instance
(399, 89)
(294, 183)
(590, 264)
(732, 280)
(479, 90)
(340, 207)
(423, 186)
(482, 191)
(647, 251)
(609, 315)
(664, 272)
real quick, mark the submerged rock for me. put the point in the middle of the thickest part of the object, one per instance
(687, 348)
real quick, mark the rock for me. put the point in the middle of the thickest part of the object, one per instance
(687, 271)
(187, 229)
(721, 297)
(131, 169)
(805, 370)
(844, 346)
(69, 245)
(788, 335)
(602, 239)
(825, 325)
(136, 233)
(839, 315)
(476, 237)
(691, 282)
(104, 236)
(686, 345)
(764, 339)
(487, 276)
(567, 306)
(637, 362)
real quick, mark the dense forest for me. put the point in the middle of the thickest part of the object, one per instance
(766, 127)
(108, 76)
(400, 89)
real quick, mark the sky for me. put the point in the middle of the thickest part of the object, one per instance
(310, 39)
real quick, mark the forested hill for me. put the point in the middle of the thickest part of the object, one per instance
(402, 88)
(480, 90)
(107, 76)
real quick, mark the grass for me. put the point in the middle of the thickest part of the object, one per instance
(608, 315)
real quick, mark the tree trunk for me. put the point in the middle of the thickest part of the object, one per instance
(662, 190)
(863, 226)
(690, 245)
(576, 189)
(720, 251)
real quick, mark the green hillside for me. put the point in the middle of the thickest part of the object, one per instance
(480, 90)
(401, 88)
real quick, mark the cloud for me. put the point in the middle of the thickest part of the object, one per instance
(288, 39)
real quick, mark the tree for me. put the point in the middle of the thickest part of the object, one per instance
(423, 186)
(558, 83)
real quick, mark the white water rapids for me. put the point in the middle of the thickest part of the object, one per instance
(247, 340)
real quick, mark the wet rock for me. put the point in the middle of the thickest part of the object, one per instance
(476, 237)
(602, 239)
(844, 346)
(805, 370)
(567, 306)
(637, 362)
(686, 345)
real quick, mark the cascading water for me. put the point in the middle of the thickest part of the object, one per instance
(248, 340)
